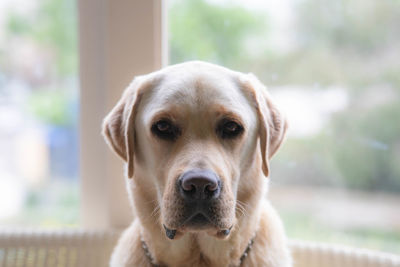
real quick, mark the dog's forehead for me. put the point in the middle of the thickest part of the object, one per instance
(198, 90)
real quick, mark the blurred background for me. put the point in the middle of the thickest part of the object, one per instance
(333, 67)
(38, 113)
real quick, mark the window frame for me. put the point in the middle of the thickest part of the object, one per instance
(111, 54)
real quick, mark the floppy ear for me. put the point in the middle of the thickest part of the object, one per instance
(272, 123)
(118, 126)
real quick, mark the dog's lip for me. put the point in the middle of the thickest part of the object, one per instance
(170, 233)
(196, 221)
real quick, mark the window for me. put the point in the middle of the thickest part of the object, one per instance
(39, 108)
(334, 67)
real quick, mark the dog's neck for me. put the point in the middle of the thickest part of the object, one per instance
(152, 261)
(200, 249)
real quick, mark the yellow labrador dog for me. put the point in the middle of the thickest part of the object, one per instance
(197, 139)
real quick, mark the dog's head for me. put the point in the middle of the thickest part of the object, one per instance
(198, 138)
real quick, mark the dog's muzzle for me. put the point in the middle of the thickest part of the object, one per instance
(200, 190)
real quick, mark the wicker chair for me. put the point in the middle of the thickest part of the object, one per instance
(79, 248)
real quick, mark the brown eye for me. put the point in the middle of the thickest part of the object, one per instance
(165, 129)
(228, 129)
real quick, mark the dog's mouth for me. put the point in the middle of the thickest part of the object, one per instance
(221, 234)
(196, 223)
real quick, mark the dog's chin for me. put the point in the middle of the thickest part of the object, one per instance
(197, 222)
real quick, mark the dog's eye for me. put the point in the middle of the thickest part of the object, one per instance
(229, 129)
(164, 129)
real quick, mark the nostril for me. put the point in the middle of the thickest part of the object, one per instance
(188, 185)
(190, 189)
(211, 187)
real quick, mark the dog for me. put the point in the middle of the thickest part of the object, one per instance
(197, 139)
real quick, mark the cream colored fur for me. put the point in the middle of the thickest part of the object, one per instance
(196, 95)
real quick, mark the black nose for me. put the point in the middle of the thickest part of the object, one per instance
(199, 185)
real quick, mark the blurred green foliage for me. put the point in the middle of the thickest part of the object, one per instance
(39, 66)
(54, 26)
(200, 30)
(361, 27)
(52, 107)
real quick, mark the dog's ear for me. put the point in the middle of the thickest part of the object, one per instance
(118, 126)
(272, 123)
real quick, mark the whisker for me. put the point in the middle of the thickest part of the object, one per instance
(242, 204)
(155, 212)
(240, 207)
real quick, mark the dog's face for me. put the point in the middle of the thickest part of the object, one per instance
(198, 135)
